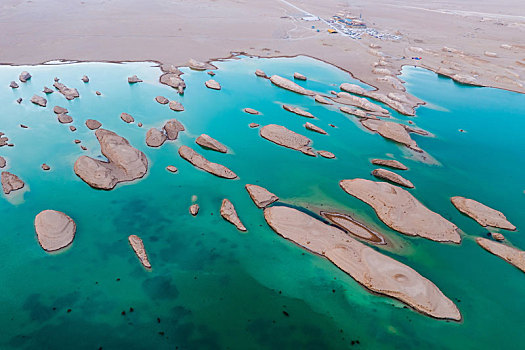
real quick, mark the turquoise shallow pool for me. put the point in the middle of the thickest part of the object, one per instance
(213, 287)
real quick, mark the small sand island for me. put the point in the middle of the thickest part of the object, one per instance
(484, 215)
(375, 271)
(54, 229)
(511, 255)
(284, 137)
(200, 162)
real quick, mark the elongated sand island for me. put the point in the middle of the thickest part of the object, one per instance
(375, 271)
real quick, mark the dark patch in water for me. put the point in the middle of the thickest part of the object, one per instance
(160, 287)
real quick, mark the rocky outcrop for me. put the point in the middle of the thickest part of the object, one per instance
(3, 140)
(47, 90)
(138, 247)
(98, 93)
(197, 65)
(38, 100)
(13, 85)
(261, 196)
(253, 125)
(484, 215)
(326, 154)
(19, 100)
(85, 79)
(60, 110)
(172, 129)
(93, 124)
(354, 227)
(360, 102)
(10, 182)
(321, 99)
(194, 209)
(162, 100)
(134, 79)
(229, 214)
(212, 84)
(375, 271)
(69, 93)
(174, 80)
(389, 163)
(282, 136)
(72, 128)
(401, 211)
(211, 73)
(127, 118)
(64, 118)
(155, 137)
(392, 177)
(54, 230)
(298, 111)
(312, 127)
(202, 163)
(209, 142)
(299, 76)
(3, 162)
(511, 255)
(172, 168)
(176, 106)
(353, 111)
(290, 85)
(125, 163)
(392, 131)
(260, 73)
(24, 76)
(251, 111)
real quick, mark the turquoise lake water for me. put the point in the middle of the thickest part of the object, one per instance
(213, 287)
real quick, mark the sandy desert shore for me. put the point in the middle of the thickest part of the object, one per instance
(471, 41)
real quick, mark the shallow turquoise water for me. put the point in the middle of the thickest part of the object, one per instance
(212, 286)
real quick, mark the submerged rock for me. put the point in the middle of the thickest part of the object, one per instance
(64, 118)
(176, 106)
(212, 84)
(54, 230)
(290, 85)
(260, 73)
(162, 100)
(393, 177)
(138, 247)
(298, 111)
(194, 209)
(47, 90)
(261, 196)
(204, 164)
(326, 154)
(24, 76)
(312, 127)
(125, 163)
(155, 137)
(134, 79)
(401, 211)
(389, 163)
(93, 124)
(13, 85)
(484, 215)
(354, 111)
(375, 271)
(511, 255)
(69, 93)
(251, 111)
(127, 118)
(10, 182)
(321, 99)
(229, 214)
(60, 110)
(172, 129)
(209, 142)
(38, 100)
(363, 103)
(299, 76)
(282, 136)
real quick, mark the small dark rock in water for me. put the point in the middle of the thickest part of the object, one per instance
(19, 100)
(212, 73)
(77, 141)
(47, 90)
(286, 314)
(134, 79)
(332, 125)
(68, 310)
(13, 85)
(83, 148)
(65, 119)
(56, 80)
(139, 124)
(98, 93)
(85, 79)
(23, 126)
(253, 125)
(45, 167)
(72, 128)
(461, 130)
(39, 100)
(162, 100)
(123, 313)
(127, 118)
(131, 309)
(158, 320)
(24, 76)
(161, 333)
(60, 110)
(118, 279)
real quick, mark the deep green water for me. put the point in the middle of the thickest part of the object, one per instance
(213, 287)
